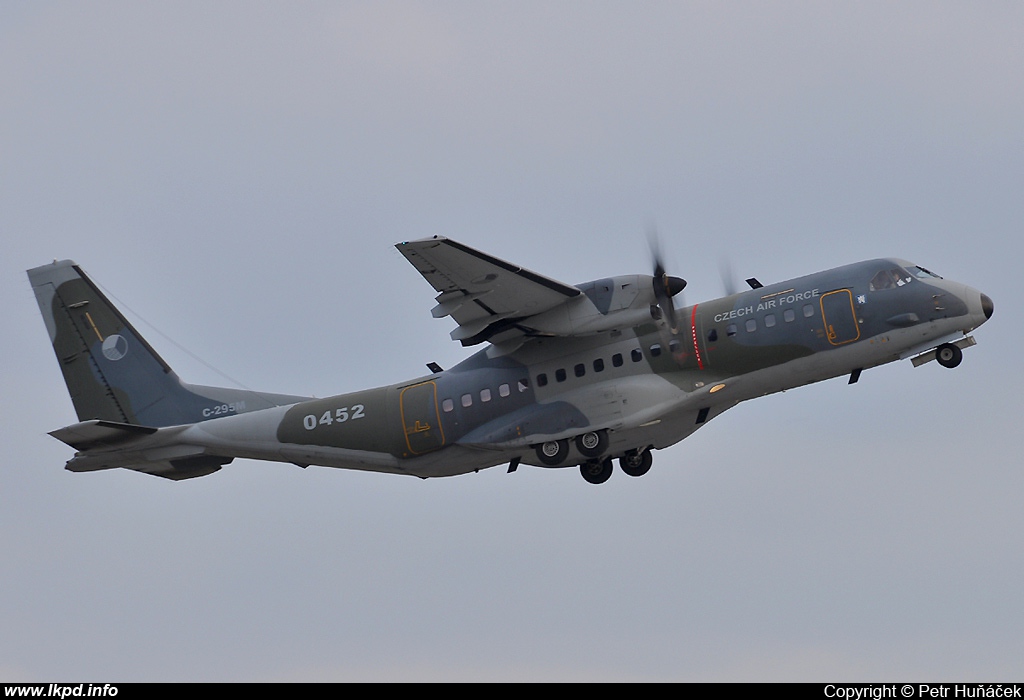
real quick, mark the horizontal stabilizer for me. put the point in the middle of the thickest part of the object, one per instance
(188, 468)
(100, 433)
(173, 469)
(174, 462)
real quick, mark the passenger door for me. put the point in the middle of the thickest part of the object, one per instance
(840, 317)
(421, 420)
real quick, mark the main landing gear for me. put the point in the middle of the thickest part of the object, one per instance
(633, 463)
(636, 462)
(553, 453)
(597, 467)
(597, 471)
(592, 444)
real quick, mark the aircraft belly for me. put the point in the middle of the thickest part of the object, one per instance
(838, 361)
(673, 427)
(255, 436)
(526, 426)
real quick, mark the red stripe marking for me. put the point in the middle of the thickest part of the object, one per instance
(693, 332)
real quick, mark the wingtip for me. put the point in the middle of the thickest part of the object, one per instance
(430, 239)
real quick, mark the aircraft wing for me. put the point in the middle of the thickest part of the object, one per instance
(486, 296)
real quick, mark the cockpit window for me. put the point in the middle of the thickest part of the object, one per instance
(889, 279)
(922, 273)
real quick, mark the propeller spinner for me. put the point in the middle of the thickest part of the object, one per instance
(667, 286)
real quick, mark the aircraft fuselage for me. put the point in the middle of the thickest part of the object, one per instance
(600, 376)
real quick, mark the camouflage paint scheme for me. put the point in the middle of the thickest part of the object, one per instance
(570, 375)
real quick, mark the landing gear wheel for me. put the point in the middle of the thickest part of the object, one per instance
(636, 463)
(948, 355)
(553, 453)
(596, 471)
(592, 444)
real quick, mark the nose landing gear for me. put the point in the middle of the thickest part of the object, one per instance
(949, 355)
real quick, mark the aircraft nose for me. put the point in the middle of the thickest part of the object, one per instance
(987, 306)
(979, 306)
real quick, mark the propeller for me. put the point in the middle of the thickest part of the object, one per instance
(665, 285)
(728, 278)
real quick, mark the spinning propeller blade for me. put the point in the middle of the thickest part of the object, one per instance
(665, 285)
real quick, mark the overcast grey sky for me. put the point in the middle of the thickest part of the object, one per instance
(237, 174)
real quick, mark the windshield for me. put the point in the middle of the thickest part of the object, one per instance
(922, 273)
(892, 277)
(898, 276)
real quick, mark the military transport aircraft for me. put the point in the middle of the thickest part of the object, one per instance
(570, 375)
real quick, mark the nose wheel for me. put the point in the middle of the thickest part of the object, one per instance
(948, 355)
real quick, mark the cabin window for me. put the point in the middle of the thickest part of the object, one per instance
(730, 330)
(655, 350)
(542, 380)
(467, 400)
(559, 375)
(579, 370)
(523, 385)
(751, 325)
(617, 359)
(808, 310)
(485, 395)
(713, 335)
(769, 320)
(599, 365)
(789, 315)
(636, 355)
(504, 390)
(447, 405)
(674, 346)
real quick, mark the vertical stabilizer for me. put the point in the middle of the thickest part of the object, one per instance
(112, 373)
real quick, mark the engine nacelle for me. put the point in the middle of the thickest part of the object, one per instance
(605, 305)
